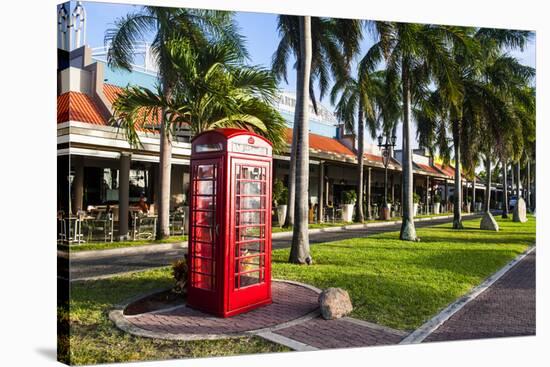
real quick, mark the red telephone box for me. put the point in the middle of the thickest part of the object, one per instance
(230, 222)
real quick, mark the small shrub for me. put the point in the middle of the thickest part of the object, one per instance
(179, 272)
(437, 198)
(280, 193)
(349, 197)
(416, 198)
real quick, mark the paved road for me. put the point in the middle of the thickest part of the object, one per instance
(507, 308)
(104, 266)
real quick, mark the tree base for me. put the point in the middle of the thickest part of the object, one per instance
(457, 224)
(408, 231)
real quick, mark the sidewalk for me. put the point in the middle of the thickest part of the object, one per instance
(147, 249)
(507, 308)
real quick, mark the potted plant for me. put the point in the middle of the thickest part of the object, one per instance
(348, 198)
(416, 200)
(280, 199)
(437, 203)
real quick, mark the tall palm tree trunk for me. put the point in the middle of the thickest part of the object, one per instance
(488, 185)
(457, 207)
(165, 172)
(360, 150)
(408, 231)
(518, 180)
(299, 251)
(505, 187)
(289, 220)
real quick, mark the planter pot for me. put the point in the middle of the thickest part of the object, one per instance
(478, 207)
(415, 209)
(385, 213)
(281, 214)
(436, 208)
(347, 212)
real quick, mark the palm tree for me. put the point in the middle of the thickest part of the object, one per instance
(165, 24)
(334, 42)
(483, 80)
(299, 250)
(365, 100)
(213, 89)
(418, 55)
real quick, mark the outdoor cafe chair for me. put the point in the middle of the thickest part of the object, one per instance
(61, 227)
(329, 214)
(99, 226)
(177, 223)
(145, 226)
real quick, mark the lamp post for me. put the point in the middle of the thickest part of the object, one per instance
(386, 149)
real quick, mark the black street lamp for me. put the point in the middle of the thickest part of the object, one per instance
(386, 148)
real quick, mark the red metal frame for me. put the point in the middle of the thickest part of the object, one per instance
(230, 273)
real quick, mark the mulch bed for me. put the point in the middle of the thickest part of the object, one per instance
(154, 302)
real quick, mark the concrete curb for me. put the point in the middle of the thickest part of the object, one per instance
(113, 275)
(288, 234)
(145, 249)
(418, 335)
(124, 324)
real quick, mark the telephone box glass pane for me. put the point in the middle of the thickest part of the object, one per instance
(205, 187)
(250, 279)
(250, 233)
(250, 188)
(250, 222)
(203, 234)
(203, 219)
(203, 249)
(248, 218)
(204, 202)
(255, 202)
(205, 171)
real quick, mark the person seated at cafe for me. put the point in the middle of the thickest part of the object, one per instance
(142, 203)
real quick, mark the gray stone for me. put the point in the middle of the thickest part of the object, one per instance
(520, 211)
(488, 222)
(334, 303)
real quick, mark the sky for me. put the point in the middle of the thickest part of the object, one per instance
(259, 29)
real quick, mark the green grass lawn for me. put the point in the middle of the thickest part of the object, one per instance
(403, 284)
(118, 244)
(95, 339)
(393, 283)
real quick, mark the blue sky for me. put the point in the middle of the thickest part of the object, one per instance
(259, 29)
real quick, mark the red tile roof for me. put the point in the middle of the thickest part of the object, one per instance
(74, 106)
(427, 168)
(447, 170)
(111, 92)
(323, 143)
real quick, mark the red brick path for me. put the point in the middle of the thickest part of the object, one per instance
(341, 333)
(290, 302)
(507, 308)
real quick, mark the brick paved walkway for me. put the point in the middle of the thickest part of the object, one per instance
(293, 318)
(290, 302)
(507, 308)
(340, 333)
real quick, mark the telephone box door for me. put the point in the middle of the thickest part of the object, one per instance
(204, 236)
(250, 252)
